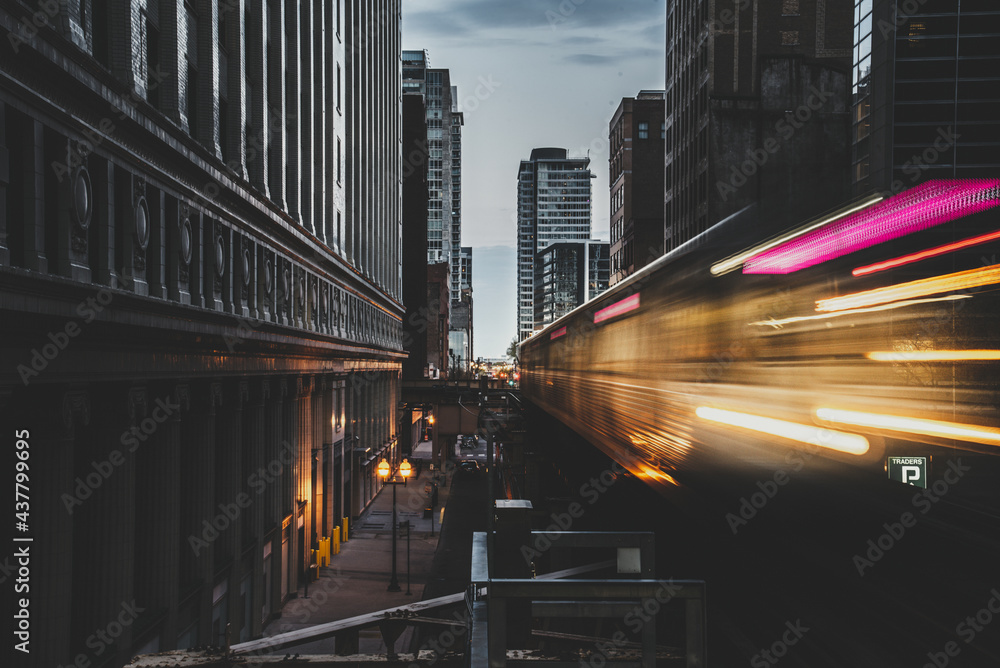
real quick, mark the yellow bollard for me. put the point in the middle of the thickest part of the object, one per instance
(326, 551)
(343, 533)
(336, 540)
(320, 553)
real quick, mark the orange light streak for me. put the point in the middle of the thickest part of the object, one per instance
(962, 280)
(925, 427)
(853, 444)
(934, 355)
(925, 254)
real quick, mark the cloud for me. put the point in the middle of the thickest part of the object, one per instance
(466, 19)
(591, 59)
(612, 57)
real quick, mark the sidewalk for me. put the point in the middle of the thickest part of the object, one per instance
(356, 581)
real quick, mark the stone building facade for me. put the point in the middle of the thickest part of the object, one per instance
(201, 296)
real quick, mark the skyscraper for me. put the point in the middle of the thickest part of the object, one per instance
(636, 137)
(553, 204)
(457, 121)
(444, 148)
(756, 111)
(926, 92)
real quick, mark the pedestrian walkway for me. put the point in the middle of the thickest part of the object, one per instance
(356, 581)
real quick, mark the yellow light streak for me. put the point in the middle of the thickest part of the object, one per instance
(934, 355)
(885, 307)
(962, 280)
(736, 261)
(853, 444)
(925, 427)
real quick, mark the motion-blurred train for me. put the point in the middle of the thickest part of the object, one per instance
(871, 331)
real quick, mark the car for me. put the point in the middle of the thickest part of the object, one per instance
(469, 442)
(469, 466)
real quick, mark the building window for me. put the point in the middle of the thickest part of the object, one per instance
(643, 130)
(663, 130)
(789, 37)
(790, 7)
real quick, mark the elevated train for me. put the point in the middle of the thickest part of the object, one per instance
(871, 331)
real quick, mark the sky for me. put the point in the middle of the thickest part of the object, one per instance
(531, 73)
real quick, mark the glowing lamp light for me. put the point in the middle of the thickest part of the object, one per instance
(404, 469)
(853, 444)
(922, 426)
(929, 204)
(383, 468)
(618, 308)
(556, 334)
(962, 280)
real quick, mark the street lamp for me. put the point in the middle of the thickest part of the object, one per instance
(383, 471)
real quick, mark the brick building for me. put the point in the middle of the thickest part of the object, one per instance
(636, 135)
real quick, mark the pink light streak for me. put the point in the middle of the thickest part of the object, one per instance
(556, 334)
(618, 308)
(929, 204)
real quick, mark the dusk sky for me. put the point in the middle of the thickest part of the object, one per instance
(531, 73)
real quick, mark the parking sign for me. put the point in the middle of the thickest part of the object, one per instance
(911, 470)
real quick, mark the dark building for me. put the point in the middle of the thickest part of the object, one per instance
(415, 157)
(926, 92)
(569, 274)
(757, 102)
(460, 334)
(636, 137)
(460, 327)
(438, 305)
(444, 138)
(200, 291)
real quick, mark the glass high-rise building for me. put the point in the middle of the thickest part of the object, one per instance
(553, 204)
(569, 274)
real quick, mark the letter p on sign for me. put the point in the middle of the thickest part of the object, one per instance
(908, 470)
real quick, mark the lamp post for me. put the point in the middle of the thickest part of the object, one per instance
(383, 471)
